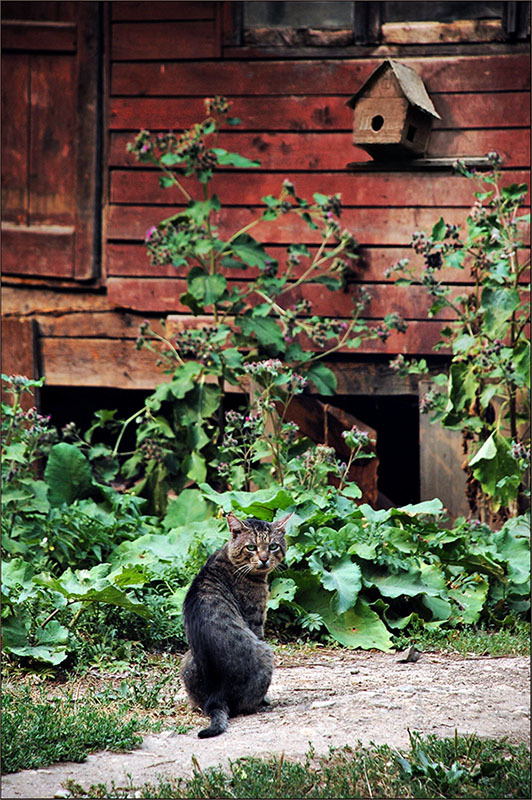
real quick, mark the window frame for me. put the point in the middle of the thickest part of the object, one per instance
(368, 31)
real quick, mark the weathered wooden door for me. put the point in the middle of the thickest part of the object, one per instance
(50, 68)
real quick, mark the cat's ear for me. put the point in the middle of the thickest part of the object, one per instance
(281, 523)
(235, 525)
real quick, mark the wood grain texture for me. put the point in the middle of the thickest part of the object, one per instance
(322, 152)
(52, 162)
(420, 336)
(370, 226)
(314, 113)
(162, 40)
(39, 35)
(168, 10)
(38, 250)
(19, 338)
(163, 294)
(343, 76)
(357, 189)
(131, 259)
(15, 107)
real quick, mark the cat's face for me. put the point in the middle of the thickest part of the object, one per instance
(256, 546)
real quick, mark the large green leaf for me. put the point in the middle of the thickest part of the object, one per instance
(250, 251)
(470, 597)
(204, 287)
(68, 474)
(394, 584)
(344, 578)
(50, 644)
(98, 585)
(358, 627)
(281, 589)
(440, 608)
(190, 506)
(233, 159)
(461, 391)
(492, 464)
(202, 402)
(261, 504)
(499, 303)
(266, 330)
(17, 574)
(513, 544)
(184, 380)
(323, 379)
(195, 467)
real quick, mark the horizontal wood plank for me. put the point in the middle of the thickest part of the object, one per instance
(156, 40)
(98, 362)
(19, 338)
(163, 294)
(167, 10)
(127, 259)
(28, 300)
(486, 73)
(125, 326)
(30, 35)
(88, 361)
(314, 113)
(311, 151)
(370, 226)
(357, 189)
(38, 251)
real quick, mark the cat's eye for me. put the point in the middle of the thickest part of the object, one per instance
(251, 547)
(273, 546)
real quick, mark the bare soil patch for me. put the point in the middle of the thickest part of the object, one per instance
(328, 698)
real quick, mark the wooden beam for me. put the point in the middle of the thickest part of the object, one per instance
(19, 353)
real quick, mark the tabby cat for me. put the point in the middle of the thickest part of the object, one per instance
(228, 669)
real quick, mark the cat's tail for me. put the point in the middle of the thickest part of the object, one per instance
(219, 718)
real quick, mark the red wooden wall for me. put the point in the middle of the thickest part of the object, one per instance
(163, 59)
(295, 121)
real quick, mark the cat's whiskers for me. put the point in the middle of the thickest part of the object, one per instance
(243, 570)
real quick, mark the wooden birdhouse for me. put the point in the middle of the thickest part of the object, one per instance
(392, 113)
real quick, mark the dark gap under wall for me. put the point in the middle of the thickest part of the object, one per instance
(394, 417)
(396, 420)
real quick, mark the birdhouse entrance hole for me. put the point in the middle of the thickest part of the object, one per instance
(377, 122)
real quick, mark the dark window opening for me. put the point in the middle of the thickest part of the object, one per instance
(333, 15)
(411, 133)
(344, 24)
(440, 11)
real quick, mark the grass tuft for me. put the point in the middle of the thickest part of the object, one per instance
(36, 733)
(458, 767)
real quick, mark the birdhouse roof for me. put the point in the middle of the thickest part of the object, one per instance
(411, 85)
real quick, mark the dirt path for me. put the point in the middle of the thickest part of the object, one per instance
(330, 698)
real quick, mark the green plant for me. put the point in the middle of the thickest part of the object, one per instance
(495, 637)
(239, 322)
(40, 612)
(360, 575)
(39, 731)
(486, 393)
(456, 767)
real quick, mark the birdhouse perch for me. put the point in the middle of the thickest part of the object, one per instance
(392, 113)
